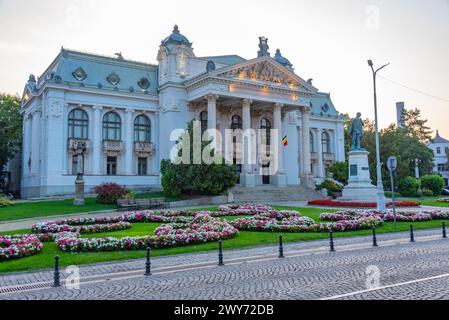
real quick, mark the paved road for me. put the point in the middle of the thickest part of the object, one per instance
(407, 271)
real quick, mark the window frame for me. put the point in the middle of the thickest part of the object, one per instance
(142, 128)
(80, 123)
(109, 124)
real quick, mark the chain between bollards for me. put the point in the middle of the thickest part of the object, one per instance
(281, 247)
(220, 253)
(444, 230)
(331, 237)
(56, 275)
(374, 237)
(148, 263)
(412, 234)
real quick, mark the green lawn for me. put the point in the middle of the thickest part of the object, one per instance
(425, 201)
(59, 207)
(244, 240)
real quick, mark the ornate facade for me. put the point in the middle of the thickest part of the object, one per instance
(112, 118)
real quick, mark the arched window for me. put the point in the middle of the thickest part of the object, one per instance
(142, 129)
(78, 124)
(326, 142)
(265, 124)
(312, 142)
(112, 126)
(236, 122)
(203, 119)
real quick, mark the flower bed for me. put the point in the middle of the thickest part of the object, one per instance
(83, 226)
(443, 200)
(242, 210)
(201, 229)
(19, 246)
(292, 221)
(353, 204)
(388, 216)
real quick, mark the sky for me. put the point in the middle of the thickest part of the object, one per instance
(327, 40)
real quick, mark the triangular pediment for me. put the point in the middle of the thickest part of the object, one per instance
(267, 71)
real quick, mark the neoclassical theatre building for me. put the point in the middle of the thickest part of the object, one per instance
(115, 116)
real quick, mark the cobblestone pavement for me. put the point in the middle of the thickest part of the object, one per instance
(313, 276)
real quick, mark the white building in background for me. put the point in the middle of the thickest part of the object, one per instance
(440, 147)
(119, 115)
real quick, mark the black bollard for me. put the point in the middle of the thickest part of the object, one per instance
(412, 234)
(56, 275)
(331, 237)
(444, 230)
(281, 247)
(220, 253)
(148, 263)
(374, 237)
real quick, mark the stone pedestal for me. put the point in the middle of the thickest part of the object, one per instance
(248, 180)
(79, 191)
(360, 187)
(280, 180)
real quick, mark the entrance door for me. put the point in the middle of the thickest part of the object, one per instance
(239, 170)
(266, 173)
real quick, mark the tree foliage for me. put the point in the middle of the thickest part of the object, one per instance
(416, 126)
(10, 127)
(190, 178)
(340, 172)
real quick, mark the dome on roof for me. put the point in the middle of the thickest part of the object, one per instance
(282, 60)
(439, 139)
(177, 38)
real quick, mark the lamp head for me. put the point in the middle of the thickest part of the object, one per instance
(370, 63)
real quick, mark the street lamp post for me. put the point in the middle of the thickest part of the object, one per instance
(381, 201)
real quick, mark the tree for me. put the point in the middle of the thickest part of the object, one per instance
(416, 126)
(400, 143)
(203, 178)
(10, 127)
(340, 172)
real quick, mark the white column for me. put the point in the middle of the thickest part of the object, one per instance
(212, 116)
(97, 161)
(320, 166)
(35, 143)
(277, 117)
(280, 179)
(26, 153)
(247, 178)
(129, 124)
(305, 125)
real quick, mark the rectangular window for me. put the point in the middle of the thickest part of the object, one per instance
(441, 168)
(111, 166)
(438, 150)
(142, 166)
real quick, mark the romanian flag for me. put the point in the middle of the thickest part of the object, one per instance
(285, 141)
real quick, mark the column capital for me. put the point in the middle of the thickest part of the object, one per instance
(130, 111)
(279, 105)
(100, 108)
(211, 96)
(247, 102)
(305, 109)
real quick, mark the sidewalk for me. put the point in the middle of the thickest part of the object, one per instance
(183, 261)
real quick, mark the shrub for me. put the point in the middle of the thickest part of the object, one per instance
(330, 185)
(408, 187)
(109, 193)
(427, 193)
(206, 179)
(5, 202)
(340, 172)
(433, 182)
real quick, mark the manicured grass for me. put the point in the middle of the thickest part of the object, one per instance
(244, 240)
(59, 207)
(425, 201)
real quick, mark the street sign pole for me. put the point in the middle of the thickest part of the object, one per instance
(392, 164)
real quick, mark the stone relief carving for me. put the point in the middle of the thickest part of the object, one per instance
(262, 71)
(55, 109)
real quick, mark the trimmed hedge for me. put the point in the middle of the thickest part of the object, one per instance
(433, 182)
